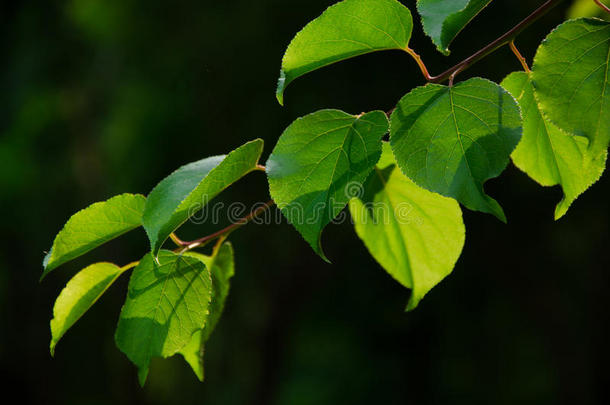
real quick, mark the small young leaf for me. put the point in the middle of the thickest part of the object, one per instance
(547, 154)
(451, 140)
(222, 267)
(187, 190)
(415, 235)
(94, 226)
(81, 292)
(571, 79)
(318, 162)
(444, 19)
(346, 29)
(166, 303)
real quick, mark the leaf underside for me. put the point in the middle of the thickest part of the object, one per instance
(94, 226)
(450, 140)
(549, 155)
(443, 20)
(571, 79)
(415, 235)
(188, 190)
(81, 292)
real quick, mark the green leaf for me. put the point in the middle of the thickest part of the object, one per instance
(571, 80)
(81, 292)
(187, 190)
(547, 154)
(444, 19)
(451, 140)
(346, 29)
(94, 226)
(317, 163)
(222, 267)
(166, 304)
(415, 235)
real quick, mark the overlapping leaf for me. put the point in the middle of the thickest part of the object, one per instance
(572, 82)
(94, 226)
(222, 268)
(416, 236)
(444, 19)
(346, 29)
(167, 302)
(317, 163)
(549, 155)
(451, 140)
(81, 292)
(187, 190)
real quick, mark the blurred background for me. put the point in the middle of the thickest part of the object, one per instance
(103, 97)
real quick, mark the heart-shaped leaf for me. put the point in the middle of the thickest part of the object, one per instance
(317, 163)
(415, 235)
(451, 140)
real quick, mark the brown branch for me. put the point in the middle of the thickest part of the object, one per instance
(188, 245)
(602, 6)
(510, 35)
(519, 56)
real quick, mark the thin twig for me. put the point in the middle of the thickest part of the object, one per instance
(602, 6)
(513, 48)
(225, 231)
(490, 48)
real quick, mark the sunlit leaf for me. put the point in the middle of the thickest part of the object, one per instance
(94, 226)
(444, 19)
(222, 267)
(571, 80)
(346, 29)
(451, 140)
(415, 235)
(187, 190)
(317, 161)
(549, 155)
(81, 292)
(167, 302)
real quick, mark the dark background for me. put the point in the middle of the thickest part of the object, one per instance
(103, 97)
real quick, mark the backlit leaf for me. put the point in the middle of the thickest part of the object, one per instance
(222, 267)
(451, 140)
(549, 155)
(444, 19)
(167, 302)
(187, 190)
(81, 292)
(317, 163)
(415, 235)
(94, 226)
(346, 29)
(571, 80)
